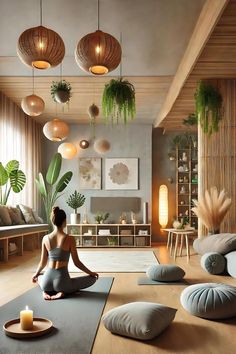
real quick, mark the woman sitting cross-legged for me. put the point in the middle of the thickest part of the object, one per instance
(56, 250)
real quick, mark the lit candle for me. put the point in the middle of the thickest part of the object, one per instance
(26, 319)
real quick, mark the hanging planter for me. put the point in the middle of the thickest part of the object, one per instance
(208, 102)
(61, 91)
(118, 100)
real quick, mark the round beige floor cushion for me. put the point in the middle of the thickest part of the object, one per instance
(139, 320)
(231, 263)
(213, 262)
(210, 300)
(165, 272)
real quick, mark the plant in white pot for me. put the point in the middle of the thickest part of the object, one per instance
(75, 201)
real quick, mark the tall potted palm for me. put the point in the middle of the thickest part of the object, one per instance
(75, 201)
(50, 187)
(11, 179)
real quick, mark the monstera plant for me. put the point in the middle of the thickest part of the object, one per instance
(50, 189)
(11, 179)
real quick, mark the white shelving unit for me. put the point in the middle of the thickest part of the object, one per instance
(111, 235)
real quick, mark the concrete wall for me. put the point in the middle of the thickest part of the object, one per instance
(162, 169)
(126, 141)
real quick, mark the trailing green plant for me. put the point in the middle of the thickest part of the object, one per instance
(191, 120)
(208, 102)
(11, 179)
(61, 85)
(101, 217)
(50, 187)
(118, 100)
(76, 200)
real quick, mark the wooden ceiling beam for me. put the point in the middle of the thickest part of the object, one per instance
(207, 20)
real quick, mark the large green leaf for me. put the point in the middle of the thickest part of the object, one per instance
(17, 180)
(54, 169)
(63, 182)
(41, 185)
(3, 175)
(12, 165)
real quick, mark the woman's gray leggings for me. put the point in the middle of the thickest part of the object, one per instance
(60, 280)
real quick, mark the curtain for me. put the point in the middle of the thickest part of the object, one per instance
(20, 139)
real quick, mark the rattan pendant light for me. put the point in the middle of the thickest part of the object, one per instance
(40, 47)
(33, 105)
(98, 52)
(56, 130)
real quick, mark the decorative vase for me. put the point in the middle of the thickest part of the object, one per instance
(176, 224)
(75, 218)
(184, 158)
(62, 96)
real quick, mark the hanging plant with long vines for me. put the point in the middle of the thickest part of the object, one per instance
(208, 103)
(118, 100)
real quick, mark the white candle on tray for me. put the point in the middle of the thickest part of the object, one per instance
(26, 319)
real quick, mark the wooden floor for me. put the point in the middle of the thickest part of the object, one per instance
(187, 334)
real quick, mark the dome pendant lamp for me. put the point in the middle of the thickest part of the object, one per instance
(56, 130)
(98, 52)
(40, 47)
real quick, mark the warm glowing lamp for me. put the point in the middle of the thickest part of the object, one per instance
(33, 105)
(163, 205)
(67, 150)
(101, 146)
(56, 130)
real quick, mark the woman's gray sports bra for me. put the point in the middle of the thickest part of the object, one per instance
(58, 254)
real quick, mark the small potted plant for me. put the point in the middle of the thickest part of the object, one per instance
(61, 91)
(118, 100)
(75, 201)
(112, 240)
(101, 217)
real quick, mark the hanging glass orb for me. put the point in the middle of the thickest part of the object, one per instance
(33, 105)
(101, 146)
(41, 48)
(67, 150)
(84, 144)
(98, 53)
(56, 130)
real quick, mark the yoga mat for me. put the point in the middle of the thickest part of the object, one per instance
(75, 318)
(147, 281)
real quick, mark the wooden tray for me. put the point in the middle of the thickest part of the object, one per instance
(41, 326)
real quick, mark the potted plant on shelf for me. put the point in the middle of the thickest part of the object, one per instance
(208, 102)
(75, 201)
(101, 217)
(12, 178)
(112, 240)
(118, 100)
(61, 91)
(50, 188)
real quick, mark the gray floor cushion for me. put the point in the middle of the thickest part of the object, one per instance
(221, 243)
(139, 320)
(231, 263)
(165, 272)
(213, 262)
(210, 300)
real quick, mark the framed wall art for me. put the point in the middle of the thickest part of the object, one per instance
(90, 173)
(121, 173)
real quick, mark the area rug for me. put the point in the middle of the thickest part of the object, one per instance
(147, 281)
(115, 261)
(75, 319)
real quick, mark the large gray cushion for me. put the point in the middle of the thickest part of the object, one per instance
(221, 243)
(165, 272)
(140, 320)
(210, 300)
(213, 262)
(231, 263)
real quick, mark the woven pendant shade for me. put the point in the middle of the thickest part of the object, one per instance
(41, 48)
(98, 53)
(56, 130)
(101, 146)
(33, 105)
(67, 150)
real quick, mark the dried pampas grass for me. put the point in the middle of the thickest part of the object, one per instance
(211, 208)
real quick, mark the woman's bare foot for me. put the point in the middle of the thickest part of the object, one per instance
(59, 295)
(46, 296)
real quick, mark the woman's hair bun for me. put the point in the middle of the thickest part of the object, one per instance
(55, 210)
